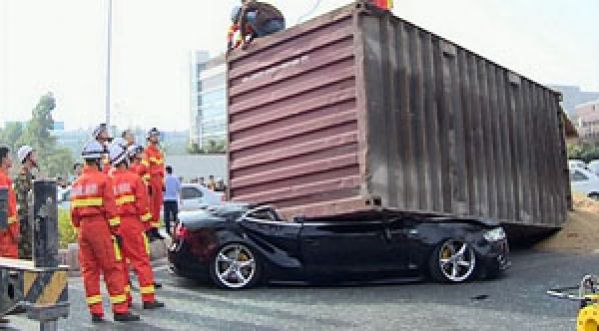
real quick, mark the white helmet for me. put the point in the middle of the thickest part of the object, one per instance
(93, 150)
(117, 154)
(24, 152)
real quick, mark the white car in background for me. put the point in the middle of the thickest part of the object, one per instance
(575, 164)
(594, 166)
(196, 196)
(585, 182)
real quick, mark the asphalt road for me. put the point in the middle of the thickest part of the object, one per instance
(516, 301)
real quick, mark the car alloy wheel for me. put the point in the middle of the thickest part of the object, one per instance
(235, 267)
(455, 262)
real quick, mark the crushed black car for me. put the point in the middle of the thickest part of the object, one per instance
(238, 246)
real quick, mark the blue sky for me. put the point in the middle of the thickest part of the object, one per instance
(58, 45)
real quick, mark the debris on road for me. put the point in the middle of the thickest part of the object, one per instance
(580, 233)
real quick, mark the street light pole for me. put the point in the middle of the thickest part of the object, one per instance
(108, 63)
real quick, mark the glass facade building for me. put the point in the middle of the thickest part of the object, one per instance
(209, 100)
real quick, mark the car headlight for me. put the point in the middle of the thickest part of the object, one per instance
(496, 234)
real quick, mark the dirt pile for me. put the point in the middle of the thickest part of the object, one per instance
(581, 231)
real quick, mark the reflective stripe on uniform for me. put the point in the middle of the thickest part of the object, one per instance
(156, 160)
(155, 224)
(118, 299)
(125, 199)
(145, 163)
(146, 217)
(114, 221)
(147, 289)
(89, 202)
(127, 288)
(117, 250)
(146, 243)
(94, 299)
(12, 220)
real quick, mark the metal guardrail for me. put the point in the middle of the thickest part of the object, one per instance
(39, 285)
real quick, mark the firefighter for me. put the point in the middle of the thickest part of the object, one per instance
(129, 138)
(9, 238)
(94, 216)
(139, 164)
(23, 186)
(155, 162)
(102, 135)
(131, 201)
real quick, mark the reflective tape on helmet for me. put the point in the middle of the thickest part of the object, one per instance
(115, 221)
(147, 289)
(87, 202)
(125, 199)
(118, 299)
(93, 299)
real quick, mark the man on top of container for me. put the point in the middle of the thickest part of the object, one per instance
(254, 19)
(383, 4)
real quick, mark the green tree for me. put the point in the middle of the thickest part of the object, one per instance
(11, 134)
(53, 160)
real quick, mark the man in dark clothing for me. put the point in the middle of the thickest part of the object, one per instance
(255, 19)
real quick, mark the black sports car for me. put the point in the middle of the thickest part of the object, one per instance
(236, 246)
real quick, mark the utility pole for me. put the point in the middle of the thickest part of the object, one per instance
(108, 64)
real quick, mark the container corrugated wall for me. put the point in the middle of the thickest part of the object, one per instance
(454, 133)
(360, 110)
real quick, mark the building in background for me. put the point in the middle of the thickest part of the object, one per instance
(208, 100)
(574, 96)
(586, 119)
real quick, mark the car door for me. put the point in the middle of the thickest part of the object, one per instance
(342, 247)
(401, 233)
(192, 198)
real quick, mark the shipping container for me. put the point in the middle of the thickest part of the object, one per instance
(358, 110)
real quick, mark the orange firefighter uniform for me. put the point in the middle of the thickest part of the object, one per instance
(384, 4)
(155, 163)
(141, 169)
(94, 214)
(131, 200)
(9, 239)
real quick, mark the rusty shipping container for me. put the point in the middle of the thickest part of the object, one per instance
(358, 110)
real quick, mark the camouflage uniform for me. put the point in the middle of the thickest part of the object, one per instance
(23, 185)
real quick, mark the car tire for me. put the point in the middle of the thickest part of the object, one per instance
(594, 196)
(453, 261)
(236, 266)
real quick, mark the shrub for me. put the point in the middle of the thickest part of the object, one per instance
(66, 231)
